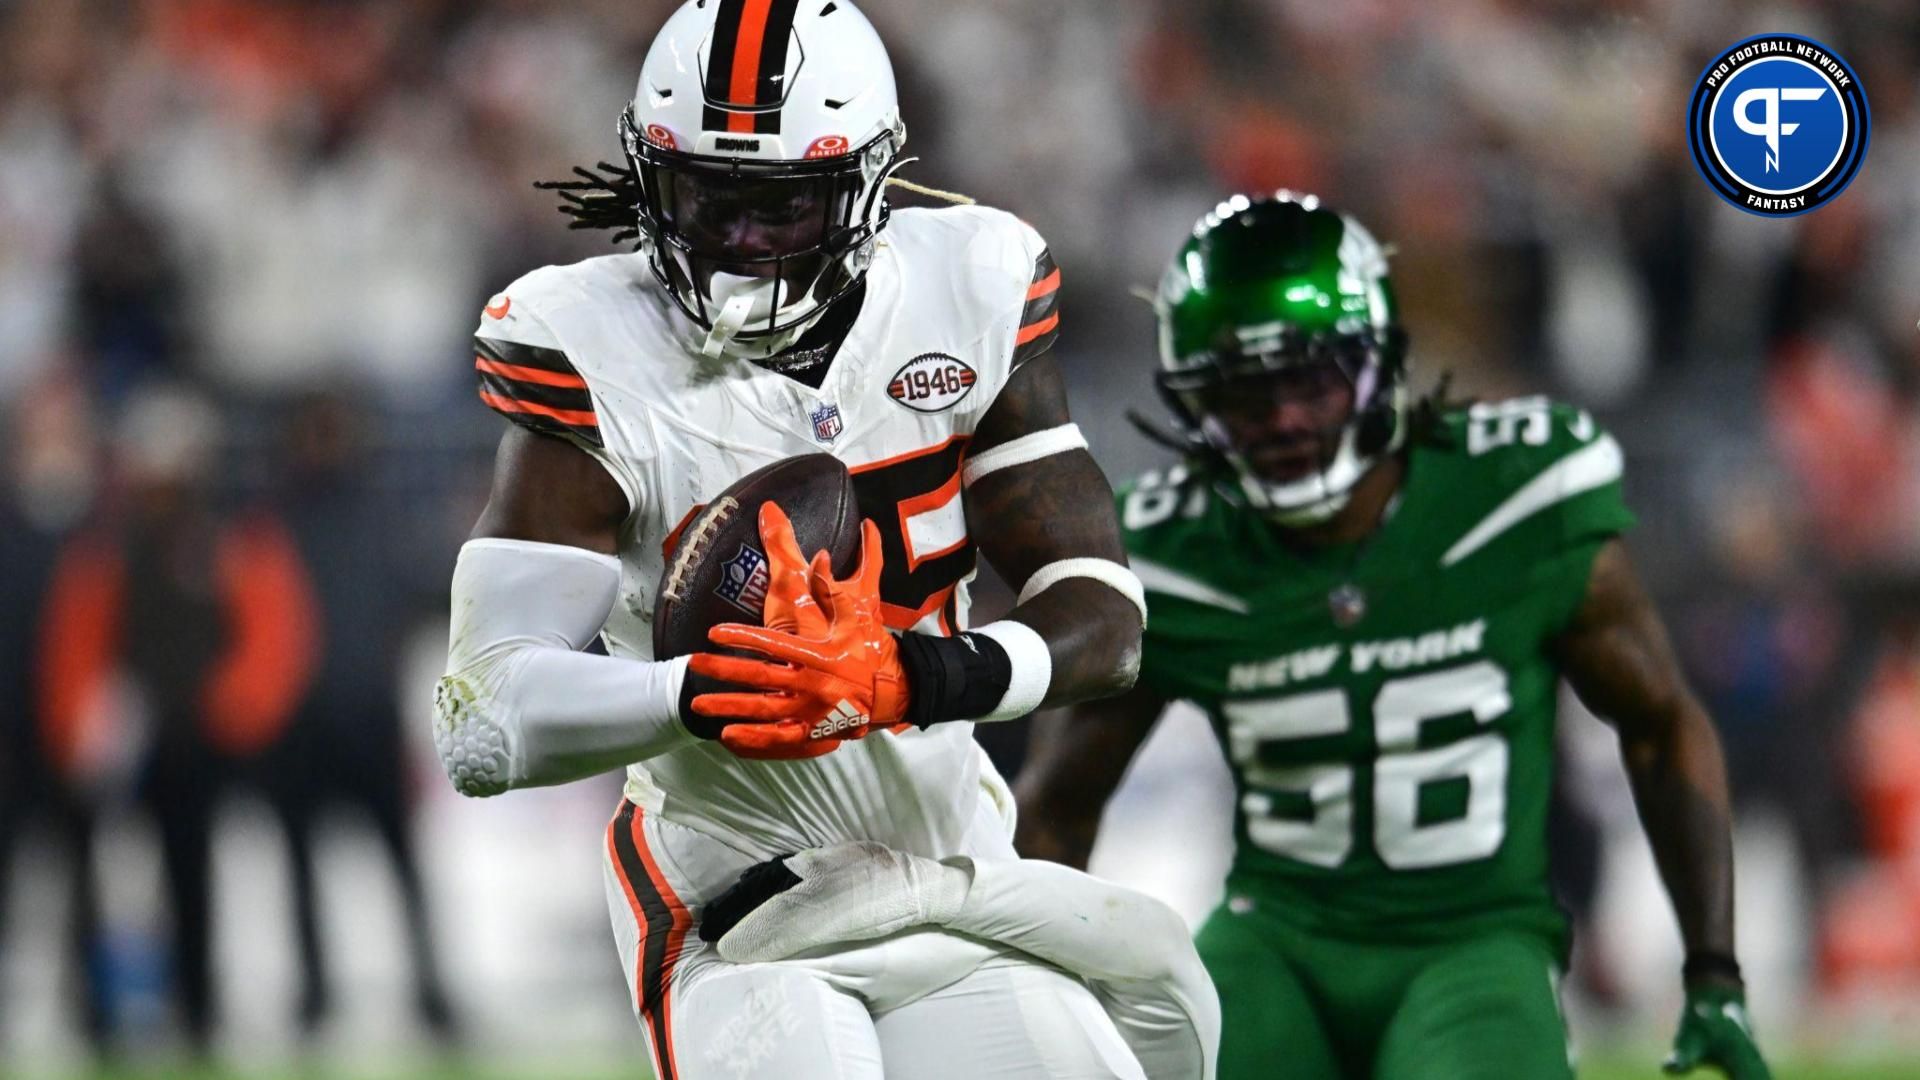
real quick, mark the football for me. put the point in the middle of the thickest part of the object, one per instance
(716, 569)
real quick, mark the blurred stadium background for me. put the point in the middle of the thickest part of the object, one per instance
(243, 243)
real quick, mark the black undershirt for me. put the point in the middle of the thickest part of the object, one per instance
(807, 360)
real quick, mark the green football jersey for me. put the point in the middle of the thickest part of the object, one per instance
(1388, 707)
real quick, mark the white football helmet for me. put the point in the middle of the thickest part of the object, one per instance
(762, 134)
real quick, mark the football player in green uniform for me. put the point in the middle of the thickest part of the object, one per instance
(1374, 601)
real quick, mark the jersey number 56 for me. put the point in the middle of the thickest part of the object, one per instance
(1399, 709)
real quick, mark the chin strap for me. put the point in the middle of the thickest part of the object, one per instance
(732, 317)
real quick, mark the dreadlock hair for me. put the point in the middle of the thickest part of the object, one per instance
(608, 198)
(1426, 422)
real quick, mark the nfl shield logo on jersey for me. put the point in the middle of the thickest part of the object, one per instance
(745, 584)
(826, 422)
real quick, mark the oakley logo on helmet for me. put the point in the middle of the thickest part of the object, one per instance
(661, 137)
(827, 146)
(1778, 125)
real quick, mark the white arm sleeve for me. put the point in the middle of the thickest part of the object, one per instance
(1132, 950)
(520, 705)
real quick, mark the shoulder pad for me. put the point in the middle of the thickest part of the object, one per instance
(1546, 466)
(1001, 266)
(520, 312)
(524, 373)
(1526, 426)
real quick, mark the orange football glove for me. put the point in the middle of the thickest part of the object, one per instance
(791, 608)
(840, 685)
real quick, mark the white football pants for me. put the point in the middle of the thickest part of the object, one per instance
(923, 1005)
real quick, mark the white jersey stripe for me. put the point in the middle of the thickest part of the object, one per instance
(1581, 471)
(1160, 579)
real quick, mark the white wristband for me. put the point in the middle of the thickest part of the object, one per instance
(1106, 571)
(1031, 447)
(1032, 669)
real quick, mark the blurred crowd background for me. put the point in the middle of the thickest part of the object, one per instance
(243, 244)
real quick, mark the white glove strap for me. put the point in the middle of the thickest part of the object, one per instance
(1106, 571)
(1032, 669)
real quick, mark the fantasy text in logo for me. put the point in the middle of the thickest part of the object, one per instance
(1778, 125)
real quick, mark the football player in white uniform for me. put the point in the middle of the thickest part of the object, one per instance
(777, 306)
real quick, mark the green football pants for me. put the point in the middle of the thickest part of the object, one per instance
(1296, 1007)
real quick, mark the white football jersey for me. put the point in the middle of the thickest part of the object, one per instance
(597, 352)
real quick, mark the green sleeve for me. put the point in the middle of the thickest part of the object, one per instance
(1590, 456)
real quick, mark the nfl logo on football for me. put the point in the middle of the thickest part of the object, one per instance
(826, 423)
(745, 584)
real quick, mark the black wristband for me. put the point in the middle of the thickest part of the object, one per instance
(962, 677)
(1711, 964)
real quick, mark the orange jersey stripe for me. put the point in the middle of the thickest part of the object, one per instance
(1028, 333)
(1044, 285)
(746, 62)
(529, 375)
(901, 617)
(898, 458)
(571, 417)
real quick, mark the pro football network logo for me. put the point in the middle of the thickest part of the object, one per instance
(1778, 125)
(744, 581)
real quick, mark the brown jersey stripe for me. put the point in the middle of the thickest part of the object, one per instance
(663, 923)
(1035, 340)
(546, 420)
(570, 417)
(528, 375)
(1043, 268)
(1046, 286)
(1048, 325)
(574, 403)
(1040, 311)
(1040, 318)
(525, 356)
(1043, 296)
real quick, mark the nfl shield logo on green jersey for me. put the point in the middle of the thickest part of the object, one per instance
(1348, 603)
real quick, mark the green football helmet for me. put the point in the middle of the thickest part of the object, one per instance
(1281, 351)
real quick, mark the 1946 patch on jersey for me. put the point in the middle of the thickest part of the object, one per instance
(745, 583)
(931, 382)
